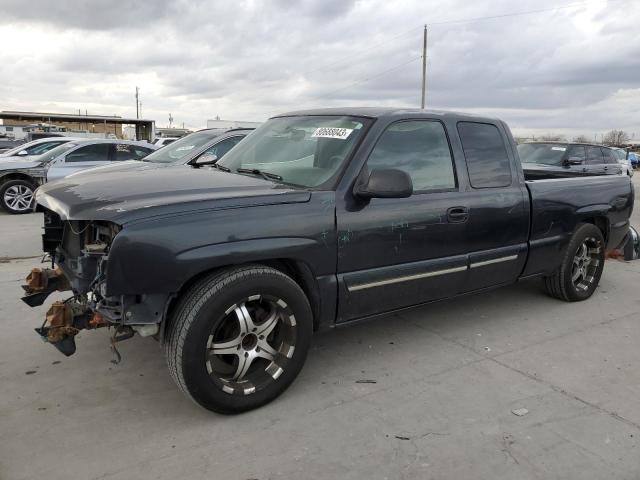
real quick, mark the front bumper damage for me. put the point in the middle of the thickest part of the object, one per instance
(64, 320)
(79, 252)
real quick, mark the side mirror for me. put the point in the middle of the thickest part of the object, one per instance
(573, 161)
(384, 183)
(22, 153)
(206, 159)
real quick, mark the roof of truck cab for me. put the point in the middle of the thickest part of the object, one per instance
(377, 112)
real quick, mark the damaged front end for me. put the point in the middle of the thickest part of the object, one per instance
(79, 252)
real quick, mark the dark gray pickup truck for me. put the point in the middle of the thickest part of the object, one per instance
(317, 219)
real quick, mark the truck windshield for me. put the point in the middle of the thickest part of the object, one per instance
(543, 153)
(180, 150)
(306, 151)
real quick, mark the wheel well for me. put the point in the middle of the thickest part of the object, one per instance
(603, 225)
(18, 176)
(300, 272)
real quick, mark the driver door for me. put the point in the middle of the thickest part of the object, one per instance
(82, 158)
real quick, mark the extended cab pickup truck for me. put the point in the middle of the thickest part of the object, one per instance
(316, 219)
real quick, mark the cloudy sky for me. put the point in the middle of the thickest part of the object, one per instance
(542, 65)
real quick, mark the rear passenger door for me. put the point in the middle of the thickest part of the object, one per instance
(612, 165)
(497, 230)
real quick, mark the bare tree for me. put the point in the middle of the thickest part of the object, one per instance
(581, 139)
(616, 137)
(552, 137)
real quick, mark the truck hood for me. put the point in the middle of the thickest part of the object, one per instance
(126, 196)
(126, 166)
(18, 163)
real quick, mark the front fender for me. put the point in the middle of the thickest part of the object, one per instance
(153, 269)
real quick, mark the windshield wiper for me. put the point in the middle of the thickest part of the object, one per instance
(221, 167)
(255, 171)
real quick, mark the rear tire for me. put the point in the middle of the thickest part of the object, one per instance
(579, 273)
(16, 196)
(238, 338)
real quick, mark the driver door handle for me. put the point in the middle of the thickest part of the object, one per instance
(458, 214)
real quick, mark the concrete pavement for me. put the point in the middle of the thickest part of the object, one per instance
(447, 378)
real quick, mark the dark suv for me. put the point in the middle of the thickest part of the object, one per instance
(544, 159)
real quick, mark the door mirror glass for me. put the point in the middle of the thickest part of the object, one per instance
(22, 153)
(384, 183)
(206, 159)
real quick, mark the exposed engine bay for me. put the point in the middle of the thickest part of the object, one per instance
(79, 254)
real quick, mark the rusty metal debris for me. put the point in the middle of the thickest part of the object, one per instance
(41, 282)
(42, 278)
(63, 322)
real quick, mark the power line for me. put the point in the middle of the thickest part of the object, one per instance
(370, 47)
(363, 80)
(516, 14)
(447, 22)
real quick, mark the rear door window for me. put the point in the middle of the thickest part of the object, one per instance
(126, 151)
(486, 155)
(594, 156)
(609, 156)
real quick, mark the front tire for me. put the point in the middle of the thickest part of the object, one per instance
(16, 196)
(579, 274)
(238, 338)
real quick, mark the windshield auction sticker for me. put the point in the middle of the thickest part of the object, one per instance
(560, 149)
(330, 132)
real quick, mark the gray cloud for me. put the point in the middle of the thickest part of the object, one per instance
(563, 69)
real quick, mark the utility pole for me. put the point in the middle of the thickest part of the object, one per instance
(424, 68)
(137, 104)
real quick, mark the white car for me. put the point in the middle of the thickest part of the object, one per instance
(623, 159)
(21, 175)
(36, 147)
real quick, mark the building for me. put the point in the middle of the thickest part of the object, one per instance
(104, 126)
(172, 132)
(12, 132)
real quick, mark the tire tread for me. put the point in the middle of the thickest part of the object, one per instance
(189, 305)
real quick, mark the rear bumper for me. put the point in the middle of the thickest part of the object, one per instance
(618, 236)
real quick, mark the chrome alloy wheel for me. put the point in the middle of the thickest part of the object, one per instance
(585, 264)
(18, 197)
(252, 344)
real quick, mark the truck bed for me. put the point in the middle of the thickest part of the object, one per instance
(558, 204)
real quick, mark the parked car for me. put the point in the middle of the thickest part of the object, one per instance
(634, 159)
(198, 149)
(559, 159)
(20, 176)
(164, 141)
(36, 147)
(318, 218)
(623, 158)
(7, 144)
